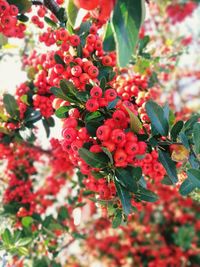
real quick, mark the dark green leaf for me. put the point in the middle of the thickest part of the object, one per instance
(113, 103)
(147, 195)
(63, 214)
(157, 117)
(125, 177)
(177, 127)
(184, 140)
(169, 165)
(108, 42)
(97, 160)
(196, 137)
(143, 43)
(97, 116)
(59, 60)
(62, 112)
(190, 123)
(117, 219)
(23, 5)
(166, 180)
(11, 106)
(124, 196)
(125, 22)
(194, 177)
(108, 153)
(50, 22)
(22, 18)
(186, 187)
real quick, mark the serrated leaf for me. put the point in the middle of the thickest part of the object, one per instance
(196, 138)
(96, 160)
(169, 165)
(177, 127)
(11, 106)
(125, 22)
(157, 117)
(124, 196)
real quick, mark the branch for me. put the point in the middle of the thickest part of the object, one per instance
(37, 2)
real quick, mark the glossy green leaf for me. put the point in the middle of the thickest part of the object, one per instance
(194, 177)
(11, 106)
(23, 241)
(117, 219)
(27, 221)
(50, 22)
(169, 165)
(184, 140)
(125, 178)
(97, 160)
(186, 187)
(125, 22)
(59, 60)
(177, 127)
(6, 236)
(109, 41)
(196, 137)
(62, 112)
(124, 196)
(72, 12)
(157, 117)
(147, 195)
(23, 5)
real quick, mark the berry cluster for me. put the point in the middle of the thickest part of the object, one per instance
(9, 24)
(178, 12)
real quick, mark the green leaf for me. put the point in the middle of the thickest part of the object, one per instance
(22, 18)
(135, 123)
(50, 22)
(23, 241)
(96, 160)
(117, 219)
(166, 180)
(108, 153)
(62, 112)
(11, 106)
(177, 127)
(23, 5)
(169, 165)
(196, 137)
(125, 178)
(108, 40)
(22, 251)
(147, 195)
(63, 214)
(59, 60)
(32, 116)
(97, 116)
(58, 93)
(157, 117)
(143, 43)
(184, 140)
(3, 40)
(48, 123)
(194, 177)
(72, 12)
(27, 221)
(124, 196)
(186, 187)
(125, 22)
(190, 123)
(6, 236)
